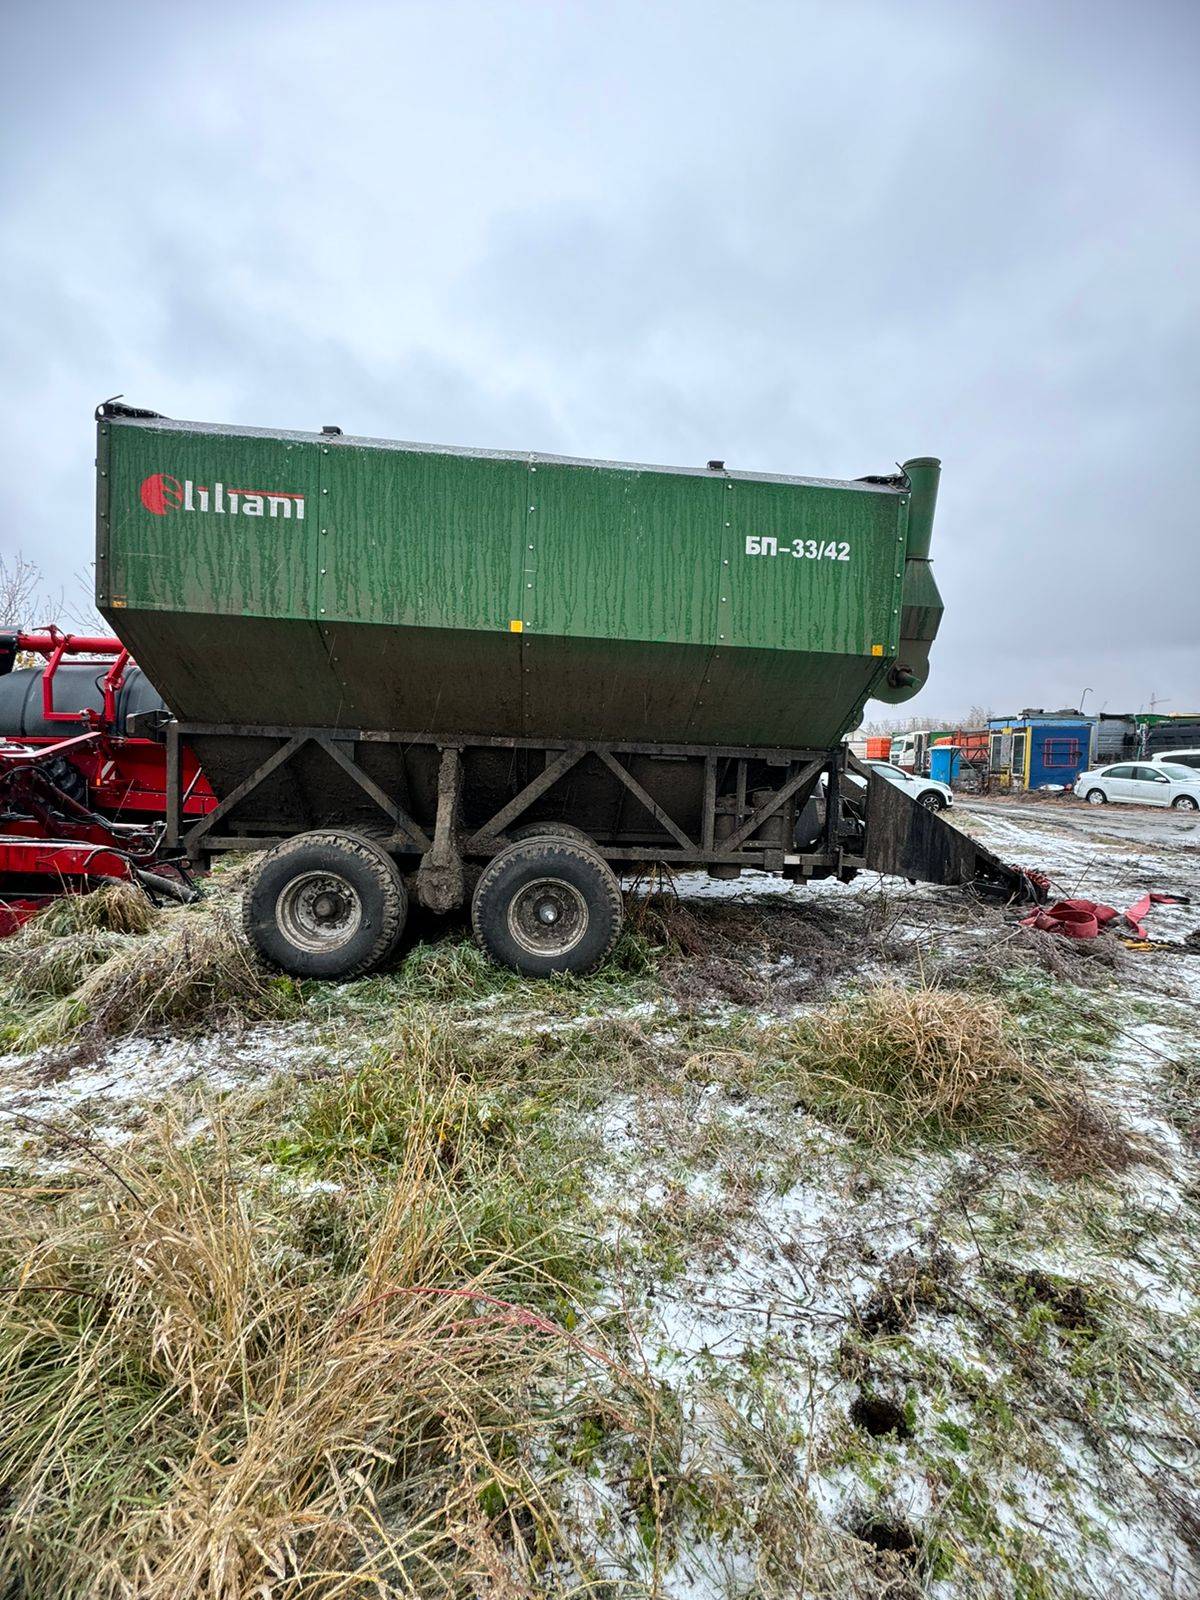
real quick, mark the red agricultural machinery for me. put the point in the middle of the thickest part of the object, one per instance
(82, 801)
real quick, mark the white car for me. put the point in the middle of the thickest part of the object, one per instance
(934, 796)
(1178, 758)
(1142, 783)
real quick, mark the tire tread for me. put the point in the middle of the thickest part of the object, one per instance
(372, 855)
(559, 848)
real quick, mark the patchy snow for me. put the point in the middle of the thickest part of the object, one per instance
(107, 1094)
(743, 1293)
(753, 1249)
(777, 1290)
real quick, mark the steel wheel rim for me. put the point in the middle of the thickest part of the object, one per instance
(547, 917)
(1095, 798)
(319, 911)
(1186, 803)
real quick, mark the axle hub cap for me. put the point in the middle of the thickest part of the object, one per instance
(547, 917)
(319, 911)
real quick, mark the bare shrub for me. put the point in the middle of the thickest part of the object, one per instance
(1014, 949)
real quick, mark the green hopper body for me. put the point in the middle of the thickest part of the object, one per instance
(268, 578)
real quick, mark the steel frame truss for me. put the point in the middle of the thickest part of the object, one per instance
(796, 769)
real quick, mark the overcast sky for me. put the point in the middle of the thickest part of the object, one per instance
(804, 238)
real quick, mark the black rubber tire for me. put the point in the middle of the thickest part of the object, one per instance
(551, 830)
(1091, 799)
(586, 885)
(931, 800)
(1184, 802)
(359, 862)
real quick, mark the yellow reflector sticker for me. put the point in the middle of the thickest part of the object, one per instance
(876, 649)
(516, 626)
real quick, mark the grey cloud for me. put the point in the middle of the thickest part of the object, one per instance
(799, 237)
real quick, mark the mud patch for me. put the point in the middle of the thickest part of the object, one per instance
(911, 1283)
(890, 1537)
(1067, 1302)
(880, 1417)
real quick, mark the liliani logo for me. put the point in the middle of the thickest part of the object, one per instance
(161, 493)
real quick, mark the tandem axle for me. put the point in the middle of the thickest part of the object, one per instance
(533, 833)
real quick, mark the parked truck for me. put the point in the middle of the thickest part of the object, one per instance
(505, 679)
(910, 752)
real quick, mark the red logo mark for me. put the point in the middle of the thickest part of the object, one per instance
(161, 493)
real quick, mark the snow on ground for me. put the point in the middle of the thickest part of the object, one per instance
(775, 1280)
(1113, 853)
(748, 1326)
(747, 1300)
(106, 1095)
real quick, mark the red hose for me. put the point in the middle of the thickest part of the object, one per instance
(1083, 919)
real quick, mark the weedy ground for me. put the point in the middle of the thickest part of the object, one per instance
(827, 1245)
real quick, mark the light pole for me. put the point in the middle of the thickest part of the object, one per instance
(1083, 697)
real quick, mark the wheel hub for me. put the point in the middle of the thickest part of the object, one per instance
(319, 911)
(548, 917)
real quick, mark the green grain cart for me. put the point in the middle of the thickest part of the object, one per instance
(509, 677)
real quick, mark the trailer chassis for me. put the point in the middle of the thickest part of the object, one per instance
(742, 845)
(877, 829)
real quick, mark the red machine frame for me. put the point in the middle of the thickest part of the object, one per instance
(50, 841)
(124, 775)
(54, 645)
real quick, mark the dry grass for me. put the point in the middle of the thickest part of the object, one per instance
(116, 908)
(1084, 1138)
(894, 1064)
(54, 952)
(331, 1349)
(1090, 963)
(189, 971)
(48, 969)
(213, 1390)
